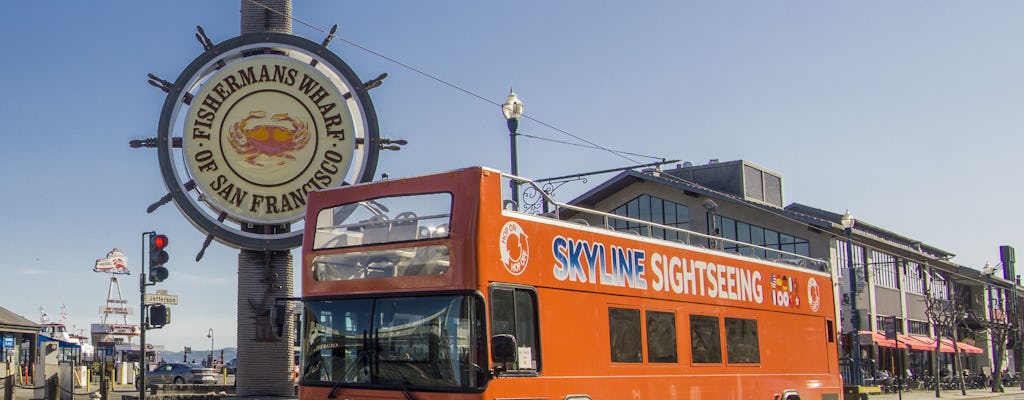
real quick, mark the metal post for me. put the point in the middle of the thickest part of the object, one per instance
(9, 387)
(855, 375)
(513, 131)
(142, 319)
(264, 361)
(104, 390)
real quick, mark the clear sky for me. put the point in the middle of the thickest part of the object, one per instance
(906, 113)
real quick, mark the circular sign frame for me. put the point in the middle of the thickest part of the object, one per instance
(262, 119)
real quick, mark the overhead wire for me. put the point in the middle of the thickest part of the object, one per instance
(427, 75)
(585, 146)
(591, 144)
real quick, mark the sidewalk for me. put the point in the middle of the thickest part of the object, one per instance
(1013, 393)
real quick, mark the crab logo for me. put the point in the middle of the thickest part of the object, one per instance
(813, 294)
(268, 140)
(514, 247)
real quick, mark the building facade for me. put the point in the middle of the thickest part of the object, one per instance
(18, 336)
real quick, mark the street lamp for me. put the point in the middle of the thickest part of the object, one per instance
(513, 110)
(848, 223)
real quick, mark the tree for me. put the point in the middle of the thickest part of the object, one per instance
(946, 310)
(1001, 328)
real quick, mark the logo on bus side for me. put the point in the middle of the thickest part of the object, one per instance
(514, 247)
(813, 294)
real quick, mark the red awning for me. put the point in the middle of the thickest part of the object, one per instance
(909, 342)
(878, 338)
(964, 347)
(943, 346)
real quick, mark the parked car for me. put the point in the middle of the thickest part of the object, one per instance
(180, 373)
(231, 365)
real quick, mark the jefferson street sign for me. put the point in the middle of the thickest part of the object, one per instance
(162, 298)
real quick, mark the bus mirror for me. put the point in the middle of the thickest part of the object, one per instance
(503, 348)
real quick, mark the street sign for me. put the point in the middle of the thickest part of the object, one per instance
(162, 298)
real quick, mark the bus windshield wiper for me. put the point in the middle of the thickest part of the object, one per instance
(348, 370)
(402, 382)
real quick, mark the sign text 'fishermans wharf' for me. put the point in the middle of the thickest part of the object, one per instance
(262, 133)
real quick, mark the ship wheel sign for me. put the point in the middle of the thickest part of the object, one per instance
(254, 124)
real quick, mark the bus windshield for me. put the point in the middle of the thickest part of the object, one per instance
(424, 342)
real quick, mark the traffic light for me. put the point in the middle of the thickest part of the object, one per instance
(159, 315)
(157, 257)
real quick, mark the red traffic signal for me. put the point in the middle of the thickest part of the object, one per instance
(157, 257)
(158, 242)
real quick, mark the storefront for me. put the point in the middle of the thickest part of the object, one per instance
(18, 337)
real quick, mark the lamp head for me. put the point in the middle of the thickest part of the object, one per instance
(513, 107)
(847, 220)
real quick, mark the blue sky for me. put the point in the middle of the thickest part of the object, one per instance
(906, 112)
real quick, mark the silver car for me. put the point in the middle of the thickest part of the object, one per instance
(180, 373)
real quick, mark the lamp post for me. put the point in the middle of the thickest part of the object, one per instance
(855, 375)
(513, 110)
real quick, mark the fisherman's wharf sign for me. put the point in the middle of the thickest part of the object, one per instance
(263, 133)
(252, 126)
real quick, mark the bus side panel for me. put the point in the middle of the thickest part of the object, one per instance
(576, 355)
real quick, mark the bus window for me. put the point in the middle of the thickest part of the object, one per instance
(705, 339)
(384, 220)
(624, 334)
(514, 312)
(741, 343)
(661, 337)
(405, 261)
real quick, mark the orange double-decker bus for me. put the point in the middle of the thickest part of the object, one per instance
(434, 287)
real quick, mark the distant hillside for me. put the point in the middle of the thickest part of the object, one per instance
(198, 355)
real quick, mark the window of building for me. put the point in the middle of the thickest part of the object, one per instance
(884, 266)
(656, 210)
(842, 261)
(917, 327)
(514, 312)
(741, 344)
(913, 278)
(746, 233)
(661, 337)
(624, 332)
(705, 339)
(938, 287)
(883, 321)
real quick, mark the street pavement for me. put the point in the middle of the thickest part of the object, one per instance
(975, 394)
(22, 393)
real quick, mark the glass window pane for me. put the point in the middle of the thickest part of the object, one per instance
(705, 339)
(757, 235)
(644, 207)
(657, 214)
(728, 228)
(661, 337)
(633, 208)
(771, 238)
(624, 333)
(803, 249)
(743, 232)
(670, 215)
(741, 341)
(384, 220)
(514, 312)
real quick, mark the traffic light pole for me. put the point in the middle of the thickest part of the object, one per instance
(142, 318)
